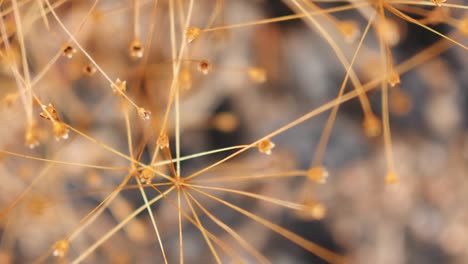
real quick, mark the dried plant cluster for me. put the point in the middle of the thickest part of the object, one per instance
(213, 131)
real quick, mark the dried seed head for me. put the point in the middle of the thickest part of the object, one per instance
(31, 138)
(438, 2)
(257, 75)
(60, 130)
(89, 69)
(400, 102)
(10, 99)
(389, 31)
(318, 174)
(372, 125)
(185, 78)
(204, 67)
(143, 113)
(265, 146)
(192, 33)
(119, 87)
(68, 51)
(61, 248)
(225, 122)
(136, 49)
(391, 178)
(49, 112)
(146, 176)
(163, 141)
(393, 78)
(463, 26)
(349, 29)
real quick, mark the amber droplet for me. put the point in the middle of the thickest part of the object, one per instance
(204, 67)
(225, 122)
(257, 75)
(136, 49)
(391, 178)
(68, 51)
(143, 113)
(349, 29)
(163, 141)
(49, 112)
(89, 69)
(61, 248)
(192, 33)
(318, 174)
(146, 176)
(372, 125)
(60, 130)
(265, 146)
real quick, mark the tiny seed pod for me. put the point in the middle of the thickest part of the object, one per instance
(204, 67)
(146, 176)
(393, 78)
(143, 113)
(49, 112)
(60, 248)
(136, 49)
(89, 69)
(265, 146)
(119, 87)
(163, 141)
(438, 2)
(31, 138)
(68, 51)
(318, 174)
(60, 130)
(372, 125)
(192, 33)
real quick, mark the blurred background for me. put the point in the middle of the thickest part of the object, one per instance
(236, 86)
